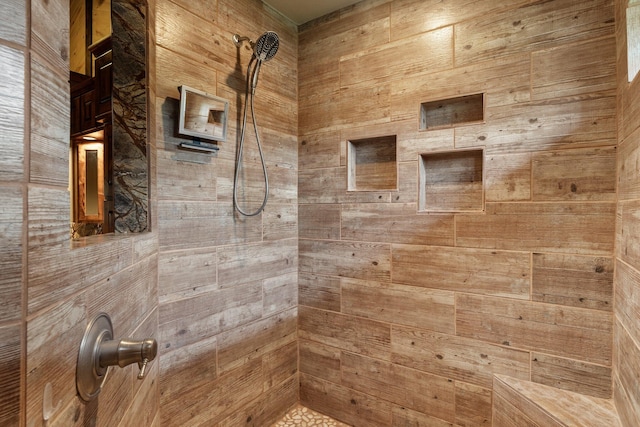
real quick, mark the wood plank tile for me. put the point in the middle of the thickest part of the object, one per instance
(52, 352)
(364, 103)
(510, 409)
(50, 100)
(582, 174)
(12, 102)
(397, 60)
(50, 32)
(279, 293)
(174, 70)
(572, 375)
(408, 183)
(212, 402)
(182, 180)
(319, 221)
(344, 404)
(280, 365)
(507, 177)
(531, 27)
(319, 150)
(321, 99)
(241, 264)
(627, 246)
(552, 407)
(626, 389)
(319, 360)
(573, 280)
(486, 272)
(628, 168)
(504, 80)
(237, 347)
(187, 321)
(473, 405)
(431, 394)
(15, 27)
(413, 143)
(61, 271)
(468, 360)
(330, 186)
(557, 330)
(540, 227)
(189, 366)
(584, 121)
(280, 221)
(574, 69)
(126, 285)
(405, 417)
(357, 335)
(627, 299)
(369, 261)
(267, 409)
(10, 373)
(409, 17)
(395, 223)
(399, 304)
(319, 291)
(11, 226)
(48, 210)
(182, 225)
(174, 284)
(333, 42)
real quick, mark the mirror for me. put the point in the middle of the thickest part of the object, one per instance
(108, 107)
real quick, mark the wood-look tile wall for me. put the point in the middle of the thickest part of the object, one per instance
(404, 317)
(227, 283)
(626, 342)
(223, 289)
(51, 288)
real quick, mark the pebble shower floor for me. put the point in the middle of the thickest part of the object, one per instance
(305, 417)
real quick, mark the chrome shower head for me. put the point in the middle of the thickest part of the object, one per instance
(266, 46)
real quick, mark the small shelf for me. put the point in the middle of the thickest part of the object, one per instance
(451, 112)
(451, 181)
(372, 164)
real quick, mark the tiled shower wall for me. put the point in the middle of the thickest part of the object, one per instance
(51, 288)
(405, 316)
(627, 285)
(227, 284)
(218, 292)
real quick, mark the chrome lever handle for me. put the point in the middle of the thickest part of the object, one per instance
(143, 367)
(125, 352)
(98, 351)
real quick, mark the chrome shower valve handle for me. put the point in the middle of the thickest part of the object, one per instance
(98, 351)
(125, 352)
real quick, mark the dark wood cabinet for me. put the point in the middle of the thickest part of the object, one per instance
(102, 53)
(91, 96)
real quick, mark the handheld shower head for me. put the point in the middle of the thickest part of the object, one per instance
(266, 46)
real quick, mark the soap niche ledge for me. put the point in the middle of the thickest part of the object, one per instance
(372, 164)
(451, 181)
(443, 113)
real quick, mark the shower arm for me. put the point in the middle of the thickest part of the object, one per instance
(238, 40)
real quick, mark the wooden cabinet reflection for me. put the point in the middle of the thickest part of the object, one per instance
(91, 124)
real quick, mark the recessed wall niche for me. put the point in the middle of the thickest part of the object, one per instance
(451, 181)
(452, 111)
(372, 164)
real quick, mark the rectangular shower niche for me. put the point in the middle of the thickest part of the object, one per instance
(451, 181)
(372, 164)
(467, 109)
